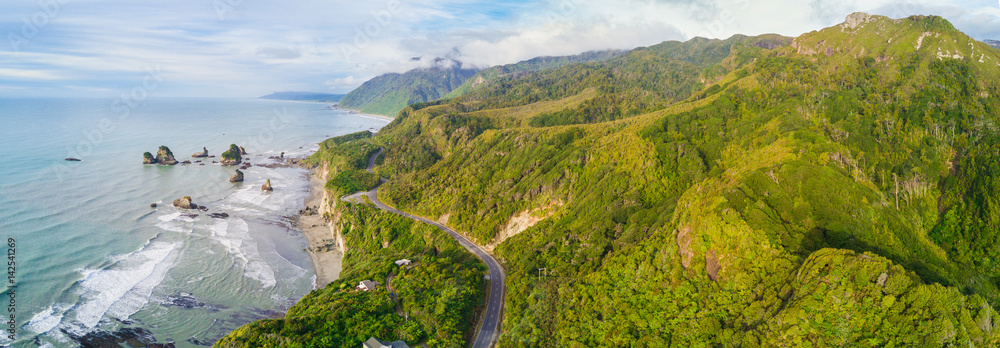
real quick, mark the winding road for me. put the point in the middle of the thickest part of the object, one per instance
(489, 324)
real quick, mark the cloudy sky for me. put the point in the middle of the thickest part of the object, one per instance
(248, 48)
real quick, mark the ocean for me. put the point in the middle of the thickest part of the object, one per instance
(92, 257)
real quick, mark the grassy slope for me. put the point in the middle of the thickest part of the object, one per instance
(794, 194)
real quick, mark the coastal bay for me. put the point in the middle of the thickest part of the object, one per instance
(99, 261)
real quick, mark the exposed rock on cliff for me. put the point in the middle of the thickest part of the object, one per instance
(857, 19)
(203, 153)
(238, 177)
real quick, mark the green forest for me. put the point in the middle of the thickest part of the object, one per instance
(388, 94)
(840, 188)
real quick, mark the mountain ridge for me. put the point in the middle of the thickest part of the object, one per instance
(387, 94)
(304, 96)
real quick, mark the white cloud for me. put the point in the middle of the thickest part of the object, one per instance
(566, 38)
(260, 47)
(348, 81)
(22, 74)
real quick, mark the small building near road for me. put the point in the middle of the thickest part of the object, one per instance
(377, 343)
(403, 262)
(367, 285)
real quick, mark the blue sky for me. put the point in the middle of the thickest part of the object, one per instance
(248, 48)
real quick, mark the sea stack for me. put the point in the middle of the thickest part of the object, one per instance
(238, 177)
(267, 186)
(232, 156)
(185, 203)
(243, 151)
(147, 158)
(203, 153)
(165, 157)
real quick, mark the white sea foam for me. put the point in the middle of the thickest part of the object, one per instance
(236, 238)
(139, 295)
(249, 195)
(47, 319)
(175, 222)
(169, 217)
(107, 291)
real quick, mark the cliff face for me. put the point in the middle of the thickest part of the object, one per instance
(328, 209)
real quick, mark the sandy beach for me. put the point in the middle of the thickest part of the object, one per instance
(323, 245)
(359, 113)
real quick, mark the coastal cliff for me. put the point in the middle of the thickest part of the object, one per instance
(433, 301)
(326, 243)
(328, 210)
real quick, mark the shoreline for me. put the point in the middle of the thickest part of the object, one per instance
(326, 246)
(359, 113)
(324, 249)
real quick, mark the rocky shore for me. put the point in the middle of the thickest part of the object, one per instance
(316, 220)
(326, 244)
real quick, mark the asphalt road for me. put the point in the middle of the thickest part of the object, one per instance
(489, 324)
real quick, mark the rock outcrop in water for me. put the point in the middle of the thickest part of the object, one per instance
(203, 153)
(163, 157)
(73, 159)
(243, 151)
(185, 203)
(238, 177)
(233, 156)
(267, 186)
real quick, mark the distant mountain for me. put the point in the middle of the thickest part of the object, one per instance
(993, 43)
(532, 65)
(389, 93)
(304, 96)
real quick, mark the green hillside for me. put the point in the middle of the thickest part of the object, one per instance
(389, 93)
(756, 191)
(836, 189)
(529, 66)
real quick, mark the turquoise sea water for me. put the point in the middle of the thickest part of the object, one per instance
(92, 256)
